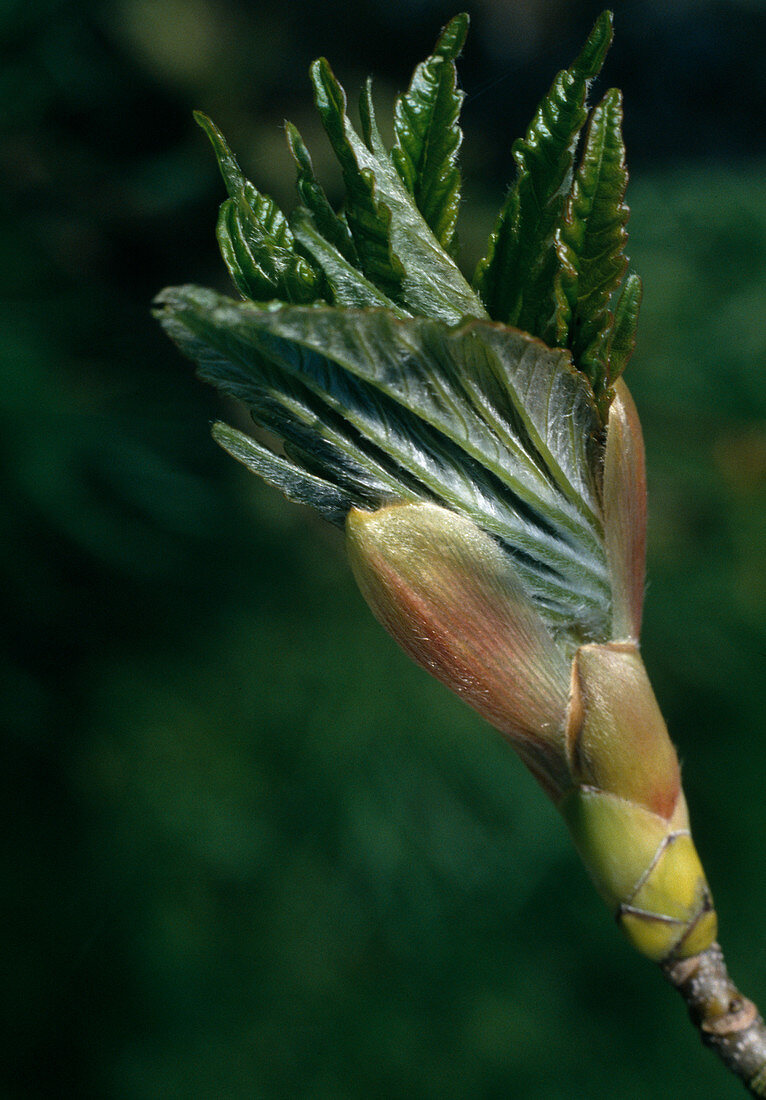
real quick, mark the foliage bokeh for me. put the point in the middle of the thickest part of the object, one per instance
(248, 850)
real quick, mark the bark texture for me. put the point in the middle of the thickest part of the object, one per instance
(728, 1022)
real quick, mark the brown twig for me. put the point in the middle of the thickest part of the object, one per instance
(728, 1023)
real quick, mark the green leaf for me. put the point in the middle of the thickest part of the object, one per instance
(315, 437)
(592, 240)
(397, 250)
(451, 381)
(347, 285)
(516, 278)
(330, 225)
(254, 237)
(622, 337)
(481, 419)
(296, 484)
(427, 136)
(369, 220)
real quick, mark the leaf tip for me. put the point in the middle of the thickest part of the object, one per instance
(223, 434)
(227, 162)
(597, 46)
(206, 123)
(452, 38)
(295, 144)
(321, 73)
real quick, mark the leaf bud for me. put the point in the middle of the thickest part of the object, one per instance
(450, 597)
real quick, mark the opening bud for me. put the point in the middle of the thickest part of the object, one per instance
(628, 815)
(450, 597)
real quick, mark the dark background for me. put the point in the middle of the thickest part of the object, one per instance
(250, 851)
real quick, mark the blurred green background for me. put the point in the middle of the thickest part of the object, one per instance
(249, 851)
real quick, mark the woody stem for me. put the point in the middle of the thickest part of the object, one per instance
(728, 1023)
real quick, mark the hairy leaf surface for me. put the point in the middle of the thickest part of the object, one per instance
(481, 419)
(296, 484)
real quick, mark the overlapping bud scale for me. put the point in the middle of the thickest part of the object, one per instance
(590, 730)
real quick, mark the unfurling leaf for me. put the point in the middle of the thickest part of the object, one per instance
(397, 250)
(480, 418)
(332, 226)
(254, 237)
(390, 385)
(622, 338)
(297, 485)
(591, 243)
(427, 136)
(368, 218)
(346, 284)
(516, 278)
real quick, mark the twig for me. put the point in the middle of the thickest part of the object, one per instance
(728, 1022)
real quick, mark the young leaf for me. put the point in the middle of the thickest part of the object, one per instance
(368, 218)
(254, 237)
(391, 392)
(622, 338)
(516, 278)
(592, 239)
(330, 225)
(347, 285)
(397, 250)
(315, 437)
(296, 484)
(427, 136)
